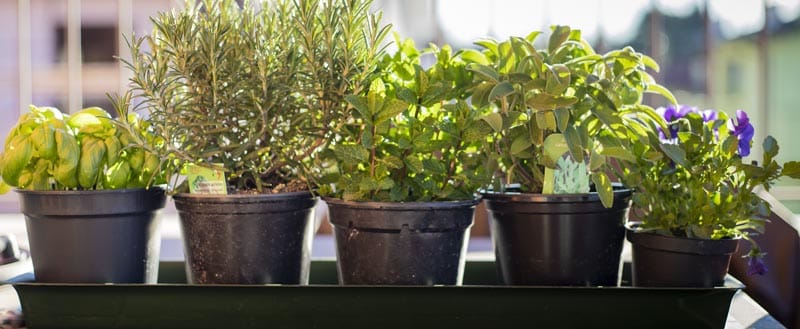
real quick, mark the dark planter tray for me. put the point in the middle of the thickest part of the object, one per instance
(480, 303)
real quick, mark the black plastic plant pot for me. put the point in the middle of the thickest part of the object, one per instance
(558, 239)
(247, 238)
(94, 236)
(401, 243)
(666, 261)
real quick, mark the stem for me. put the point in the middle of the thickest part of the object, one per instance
(452, 169)
(372, 153)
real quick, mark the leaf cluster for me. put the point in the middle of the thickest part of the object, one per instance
(255, 86)
(593, 99)
(411, 136)
(699, 187)
(50, 150)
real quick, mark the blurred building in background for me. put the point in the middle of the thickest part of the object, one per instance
(713, 53)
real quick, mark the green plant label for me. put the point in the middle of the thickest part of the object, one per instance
(569, 176)
(204, 180)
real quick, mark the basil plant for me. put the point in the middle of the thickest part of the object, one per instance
(50, 150)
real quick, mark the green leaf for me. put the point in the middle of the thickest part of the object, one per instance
(483, 70)
(574, 143)
(531, 37)
(659, 89)
(583, 59)
(44, 142)
(407, 95)
(366, 138)
(376, 95)
(650, 113)
(619, 153)
(771, 148)
(17, 156)
(91, 121)
(488, 44)
(650, 62)
(40, 176)
(93, 152)
(501, 90)
(608, 117)
(559, 35)
(432, 166)
(390, 110)
(113, 147)
(68, 152)
(791, 169)
(392, 162)
(558, 79)
(480, 95)
(544, 101)
(596, 160)
(117, 175)
(414, 163)
(351, 154)
(495, 120)
(360, 104)
(604, 189)
(674, 152)
(474, 56)
(520, 144)
(562, 118)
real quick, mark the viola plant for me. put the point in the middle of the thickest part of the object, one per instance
(411, 136)
(702, 188)
(88, 150)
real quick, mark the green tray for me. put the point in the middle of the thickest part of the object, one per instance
(480, 303)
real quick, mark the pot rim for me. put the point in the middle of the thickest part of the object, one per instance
(680, 244)
(619, 192)
(382, 205)
(156, 189)
(243, 198)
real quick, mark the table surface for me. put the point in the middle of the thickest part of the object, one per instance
(744, 312)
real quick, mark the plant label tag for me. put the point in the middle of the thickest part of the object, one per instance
(562, 174)
(204, 180)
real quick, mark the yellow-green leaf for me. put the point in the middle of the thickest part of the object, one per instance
(604, 189)
(520, 144)
(574, 143)
(118, 174)
(66, 169)
(17, 156)
(495, 120)
(93, 153)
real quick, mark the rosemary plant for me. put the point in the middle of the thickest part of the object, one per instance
(252, 87)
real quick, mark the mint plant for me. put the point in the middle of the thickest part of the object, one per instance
(593, 99)
(410, 136)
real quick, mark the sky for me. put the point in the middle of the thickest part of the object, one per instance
(463, 21)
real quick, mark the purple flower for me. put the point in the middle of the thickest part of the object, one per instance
(743, 131)
(709, 115)
(756, 265)
(670, 114)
